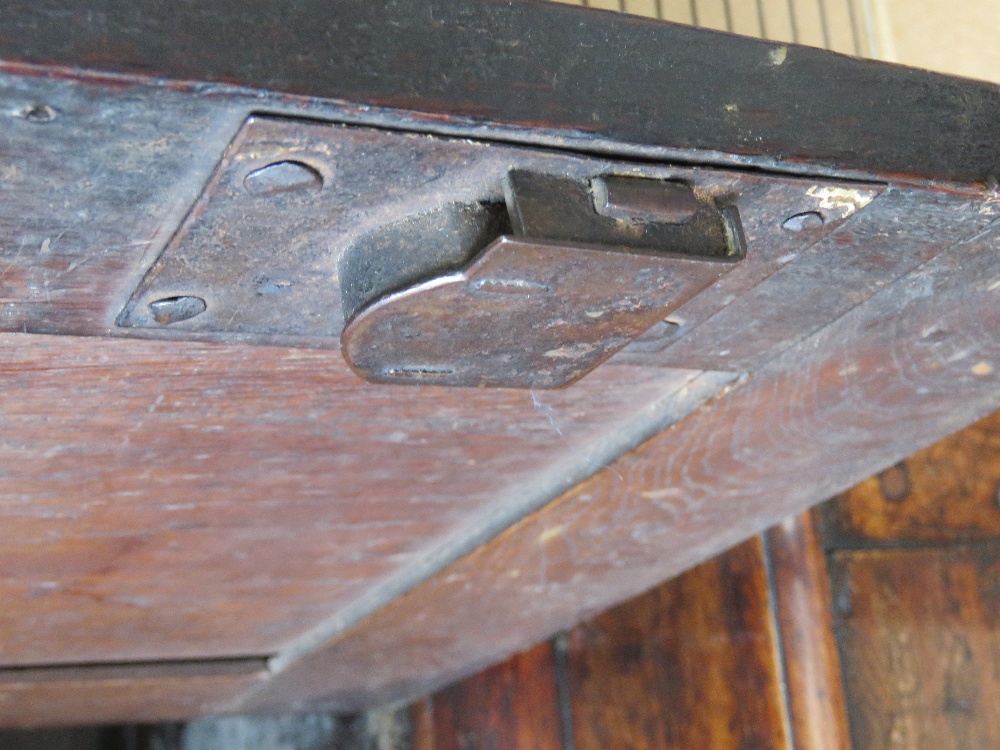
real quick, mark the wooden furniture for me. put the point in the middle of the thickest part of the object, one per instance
(210, 510)
(867, 623)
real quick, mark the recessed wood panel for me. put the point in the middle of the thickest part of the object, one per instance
(131, 694)
(919, 634)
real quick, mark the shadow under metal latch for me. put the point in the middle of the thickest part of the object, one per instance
(576, 270)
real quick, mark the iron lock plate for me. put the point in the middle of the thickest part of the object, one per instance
(444, 261)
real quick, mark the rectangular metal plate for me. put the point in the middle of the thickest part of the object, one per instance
(295, 207)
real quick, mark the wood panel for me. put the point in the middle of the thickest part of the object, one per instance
(121, 694)
(919, 633)
(691, 664)
(856, 397)
(802, 605)
(948, 493)
(511, 706)
(165, 501)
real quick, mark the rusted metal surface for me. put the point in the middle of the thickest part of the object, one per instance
(533, 312)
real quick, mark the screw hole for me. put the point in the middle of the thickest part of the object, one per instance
(40, 113)
(175, 309)
(894, 483)
(804, 221)
(283, 177)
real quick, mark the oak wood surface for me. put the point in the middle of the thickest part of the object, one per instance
(120, 545)
(692, 663)
(131, 693)
(457, 62)
(166, 501)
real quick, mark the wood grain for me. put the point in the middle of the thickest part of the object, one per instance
(510, 706)
(691, 664)
(168, 500)
(802, 606)
(121, 694)
(945, 494)
(919, 634)
(914, 364)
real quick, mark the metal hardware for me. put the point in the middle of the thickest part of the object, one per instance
(629, 199)
(446, 261)
(533, 310)
(175, 309)
(804, 221)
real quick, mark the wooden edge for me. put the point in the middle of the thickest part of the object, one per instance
(140, 671)
(492, 63)
(802, 605)
(123, 693)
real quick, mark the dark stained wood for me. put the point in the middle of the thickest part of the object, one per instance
(691, 664)
(539, 65)
(944, 494)
(854, 398)
(122, 694)
(802, 606)
(511, 706)
(919, 634)
(421, 717)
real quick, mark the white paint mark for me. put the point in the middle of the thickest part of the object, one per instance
(550, 534)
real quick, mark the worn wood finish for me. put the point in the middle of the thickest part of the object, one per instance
(919, 633)
(167, 501)
(510, 706)
(948, 493)
(691, 664)
(915, 364)
(801, 588)
(122, 693)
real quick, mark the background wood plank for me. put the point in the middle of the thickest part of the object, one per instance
(511, 706)
(919, 634)
(947, 493)
(691, 664)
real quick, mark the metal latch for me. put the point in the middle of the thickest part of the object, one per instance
(449, 261)
(580, 270)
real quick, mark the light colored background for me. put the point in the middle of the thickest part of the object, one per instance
(961, 38)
